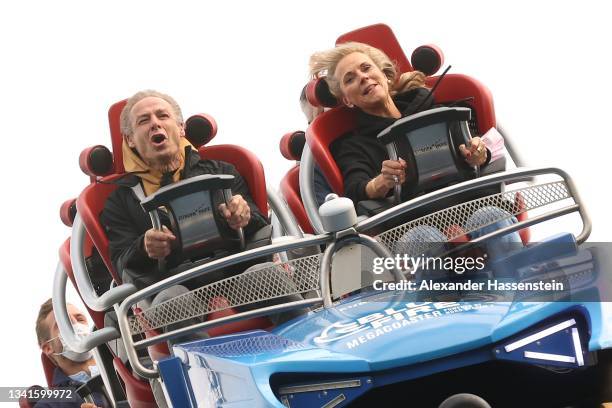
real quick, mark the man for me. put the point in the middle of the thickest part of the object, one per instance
(72, 369)
(156, 153)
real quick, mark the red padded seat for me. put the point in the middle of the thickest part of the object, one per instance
(138, 392)
(90, 205)
(291, 146)
(247, 164)
(290, 189)
(233, 327)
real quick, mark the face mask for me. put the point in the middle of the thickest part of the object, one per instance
(83, 377)
(80, 330)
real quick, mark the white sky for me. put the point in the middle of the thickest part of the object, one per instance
(64, 63)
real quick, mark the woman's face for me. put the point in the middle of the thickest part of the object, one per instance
(362, 83)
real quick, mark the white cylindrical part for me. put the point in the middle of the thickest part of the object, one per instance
(337, 214)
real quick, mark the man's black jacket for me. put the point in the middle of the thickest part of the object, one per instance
(126, 222)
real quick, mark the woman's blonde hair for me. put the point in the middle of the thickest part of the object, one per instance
(324, 64)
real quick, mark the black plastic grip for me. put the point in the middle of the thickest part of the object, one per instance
(423, 119)
(205, 182)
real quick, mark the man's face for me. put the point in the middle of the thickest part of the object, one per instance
(55, 346)
(156, 132)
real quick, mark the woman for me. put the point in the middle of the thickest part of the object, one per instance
(364, 78)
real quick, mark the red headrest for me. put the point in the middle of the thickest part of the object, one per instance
(427, 58)
(455, 87)
(114, 114)
(292, 144)
(381, 37)
(96, 161)
(200, 129)
(68, 211)
(318, 94)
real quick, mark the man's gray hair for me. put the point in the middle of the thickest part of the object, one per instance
(126, 126)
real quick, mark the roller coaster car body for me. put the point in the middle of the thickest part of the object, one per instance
(385, 345)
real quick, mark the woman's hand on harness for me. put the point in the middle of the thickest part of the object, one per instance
(476, 155)
(236, 212)
(393, 172)
(157, 243)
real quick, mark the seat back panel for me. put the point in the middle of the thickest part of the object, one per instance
(381, 37)
(90, 205)
(325, 129)
(290, 188)
(247, 164)
(114, 113)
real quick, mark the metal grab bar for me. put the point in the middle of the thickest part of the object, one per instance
(84, 285)
(64, 323)
(226, 319)
(516, 226)
(326, 262)
(123, 309)
(284, 215)
(493, 179)
(511, 146)
(306, 177)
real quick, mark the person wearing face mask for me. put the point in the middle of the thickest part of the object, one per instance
(73, 369)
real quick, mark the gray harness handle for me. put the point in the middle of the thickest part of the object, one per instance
(190, 206)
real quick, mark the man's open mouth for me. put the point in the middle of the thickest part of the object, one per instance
(158, 139)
